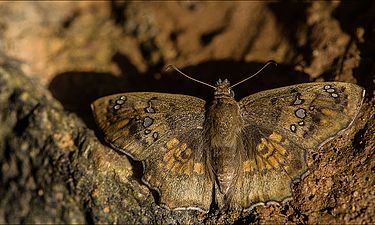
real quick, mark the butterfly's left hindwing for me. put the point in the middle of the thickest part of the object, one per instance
(269, 164)
(165, 131)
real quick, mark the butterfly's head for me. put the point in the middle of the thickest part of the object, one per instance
(223, 88)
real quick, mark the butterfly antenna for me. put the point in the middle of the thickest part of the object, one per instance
(175, 68)
(265, 65)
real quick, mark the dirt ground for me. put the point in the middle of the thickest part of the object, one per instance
(80, 51)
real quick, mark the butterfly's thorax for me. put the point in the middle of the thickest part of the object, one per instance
(225, 122)
(224, 126)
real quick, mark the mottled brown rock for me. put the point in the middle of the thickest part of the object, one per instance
(54, 170)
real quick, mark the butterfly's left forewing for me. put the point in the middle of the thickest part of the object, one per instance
(165, 132)
(279, 126)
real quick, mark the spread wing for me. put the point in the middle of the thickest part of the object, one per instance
(280, 125)
(165, 132)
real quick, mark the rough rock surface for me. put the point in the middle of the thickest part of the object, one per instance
(57, 57)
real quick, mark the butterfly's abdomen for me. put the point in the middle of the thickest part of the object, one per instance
(225, 125)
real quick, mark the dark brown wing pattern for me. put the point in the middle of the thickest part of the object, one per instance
(165, 132)
(280, 125)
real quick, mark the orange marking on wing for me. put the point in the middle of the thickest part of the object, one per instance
(183, 146)
(168, 155)
(273, 161)
(260, 163)
(176, 167)
(184, 155)
(186, 168)
(122, 123)
(170, 164)
(189, 167)
(329, 112)
(267, 149)
(279, 157)
(280, 148)
(276, 137)
(198, 168)
(249, 165)
(268, 164)
(323, 121)
(172, 143)
(260, 147)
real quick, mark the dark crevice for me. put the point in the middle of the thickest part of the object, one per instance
(155, 65)
(173, 36)
(138, 173)
(362, 15)
(147, 48)
(69, 21)
(207, 38)
(303, 218)
(137, 167)
(190, 5)
(250, 219)
(284, 209)
(291, 17)
(22, 113)
(125, 65)
(328, 75)
(89, 216)
(118, 8)
(328, 210)
(365, 67)
(359, 142)
(22, 123)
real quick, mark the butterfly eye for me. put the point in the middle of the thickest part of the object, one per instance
(231, 93)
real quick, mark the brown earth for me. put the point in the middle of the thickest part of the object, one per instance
(54, 169)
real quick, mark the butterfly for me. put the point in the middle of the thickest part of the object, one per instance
(235, 154)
